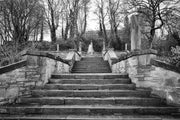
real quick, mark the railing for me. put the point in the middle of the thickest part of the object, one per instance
(146, 71)
(165, 65)
(12, 67)
(110, 56)
(114, 60)
(72, 56)
(19, 78)
(47, 55)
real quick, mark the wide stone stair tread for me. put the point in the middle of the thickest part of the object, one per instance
(89, 86)
(91, 81)
(91, 68)
(88, 110)
(87, 117)
(93, 101)
(88, 64)
(92, 93)
(89, 76)
(91, 71)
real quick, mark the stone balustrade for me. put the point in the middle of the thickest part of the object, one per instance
(161, 78)
(110, 56)
(17, 79)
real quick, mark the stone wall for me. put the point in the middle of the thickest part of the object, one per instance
(46, 66)
(163, 82)
(16, 83)
(36, 72)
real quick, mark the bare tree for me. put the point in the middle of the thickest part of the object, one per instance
(82, 17)
(115, 17)
(172, 25)
(19, 18)
(53, 11)
(154, 13)
(65, 20)
(101, 12)
(75, 19)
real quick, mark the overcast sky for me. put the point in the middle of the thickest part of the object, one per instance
(92, 21)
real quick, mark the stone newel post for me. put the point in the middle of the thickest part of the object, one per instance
(80, 47)
(57, 47)
(126, 46)
(135, 33)
(104, 47)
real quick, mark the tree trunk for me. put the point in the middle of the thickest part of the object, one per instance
(66, 30)
(42, 32)
(100, 29)
(53, 35)
(104, 32)
(152, 34)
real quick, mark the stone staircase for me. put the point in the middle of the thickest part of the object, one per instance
(89, 96)
(91, 65)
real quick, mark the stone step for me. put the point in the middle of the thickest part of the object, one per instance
(87, 117)
(87, 110)
(90, 86)
(92, 63)
(92, 58)
(91, 71)
(93, 101)
(92, 66)
(101, 63)
(91, 81)
(91, 93)
(90, 76)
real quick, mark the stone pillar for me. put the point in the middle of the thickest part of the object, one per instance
(104, 47)
(135, 32)
(92, 52)
(57, 47)
(80, 47)
(136, 43)
(126, 47)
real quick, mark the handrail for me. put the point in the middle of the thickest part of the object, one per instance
(136, 53)
(105, 52)
(164, 65)
(78, 53)
(13, 66)
(48, 55)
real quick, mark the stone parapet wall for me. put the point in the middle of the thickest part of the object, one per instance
(35, 71)
(163, 82)
(16, 83)
(47, 66)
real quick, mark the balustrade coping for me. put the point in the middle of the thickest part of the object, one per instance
(165, 65)
(13, 66)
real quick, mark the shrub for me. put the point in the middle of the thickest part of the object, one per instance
(176, 56)
(173, 58)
